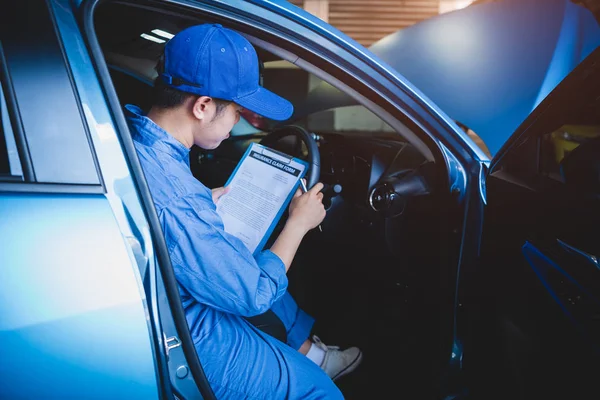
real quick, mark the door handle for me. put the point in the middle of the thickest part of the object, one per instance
(588, 257)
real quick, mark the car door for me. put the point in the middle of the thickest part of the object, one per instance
(534, 307)
(73, 314)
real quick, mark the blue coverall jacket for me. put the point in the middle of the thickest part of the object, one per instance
(221, 282)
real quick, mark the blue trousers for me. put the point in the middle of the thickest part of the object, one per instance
(297, 323)
(242, 362)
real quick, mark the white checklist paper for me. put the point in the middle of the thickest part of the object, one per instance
(259, 190)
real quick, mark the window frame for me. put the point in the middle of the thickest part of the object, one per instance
(8, 145)
(521, 158)
(16, 125)
(550, 113)
(30, 181)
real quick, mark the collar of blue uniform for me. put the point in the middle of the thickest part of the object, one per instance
(148, 133)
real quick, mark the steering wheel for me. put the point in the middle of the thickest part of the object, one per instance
(314, 157)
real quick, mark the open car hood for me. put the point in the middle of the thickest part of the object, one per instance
(488, 65)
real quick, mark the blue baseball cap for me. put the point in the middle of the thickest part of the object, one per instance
(209, 60)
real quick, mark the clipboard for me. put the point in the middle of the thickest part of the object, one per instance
(281, 163)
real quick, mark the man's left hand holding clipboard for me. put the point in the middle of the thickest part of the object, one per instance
(258, 192)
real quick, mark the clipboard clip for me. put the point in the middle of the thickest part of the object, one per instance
(286, 158)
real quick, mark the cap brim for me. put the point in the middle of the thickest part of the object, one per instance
(266, 103)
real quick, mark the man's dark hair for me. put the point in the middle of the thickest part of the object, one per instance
(165, 96)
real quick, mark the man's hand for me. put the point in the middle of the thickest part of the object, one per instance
(306, 212)
(218, 192)
(306, 209)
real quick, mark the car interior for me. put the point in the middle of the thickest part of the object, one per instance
(379, 275)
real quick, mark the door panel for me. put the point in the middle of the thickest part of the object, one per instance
(535, 314)
(538, 314)
(72, 320)
(73, 316)
(570, 291)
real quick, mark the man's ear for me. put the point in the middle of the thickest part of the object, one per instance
(201, 107)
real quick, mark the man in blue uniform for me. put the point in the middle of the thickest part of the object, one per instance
(207, 75)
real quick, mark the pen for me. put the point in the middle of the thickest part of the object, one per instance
(304, 190)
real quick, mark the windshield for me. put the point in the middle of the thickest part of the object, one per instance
(313, 113)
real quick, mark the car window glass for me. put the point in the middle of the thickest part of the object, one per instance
(575, 125)
(49, 110)
(346, 119)
(296, 84)
(558, 144)
(540, 157)
(560, 135)
(10, 165)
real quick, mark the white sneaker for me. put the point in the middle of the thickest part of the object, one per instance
(338, 363)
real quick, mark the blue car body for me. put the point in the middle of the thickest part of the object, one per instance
(83, 311)
(485, 76)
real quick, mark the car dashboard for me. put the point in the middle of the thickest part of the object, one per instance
(359, 164)
(362, 166)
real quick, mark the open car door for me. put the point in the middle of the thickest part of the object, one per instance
(535, 309)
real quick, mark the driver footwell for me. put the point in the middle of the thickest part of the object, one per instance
(360, 299)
